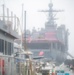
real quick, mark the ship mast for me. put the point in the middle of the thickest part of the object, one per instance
(51, 16)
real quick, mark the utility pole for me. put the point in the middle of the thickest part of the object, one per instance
(25, 45)
(28, 59)
(25, 31)
(22, 26)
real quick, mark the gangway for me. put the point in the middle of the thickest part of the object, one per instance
(69, 54)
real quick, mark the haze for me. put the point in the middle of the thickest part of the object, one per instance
(37, 19)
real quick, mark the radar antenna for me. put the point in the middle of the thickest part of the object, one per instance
(51, 16)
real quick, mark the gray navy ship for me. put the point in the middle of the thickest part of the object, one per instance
(51, 41)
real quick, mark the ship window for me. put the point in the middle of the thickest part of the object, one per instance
(6, 45)
(49, 46)
(0, 45)
(38, 45)
(9, 48)
(58, 46)
(54, 46)
(62, 48)
(2, 41)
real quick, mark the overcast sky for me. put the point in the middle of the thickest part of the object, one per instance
(37, 19)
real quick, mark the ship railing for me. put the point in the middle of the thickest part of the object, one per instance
(10, 65)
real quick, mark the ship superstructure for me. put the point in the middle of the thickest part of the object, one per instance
(8, 31)
(52, 40)
(7, 36)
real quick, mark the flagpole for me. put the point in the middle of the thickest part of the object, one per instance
(25, 30)
(21, 34)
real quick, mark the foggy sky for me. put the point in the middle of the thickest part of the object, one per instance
(37, 19)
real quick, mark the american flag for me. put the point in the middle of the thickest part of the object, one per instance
(41, 53)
